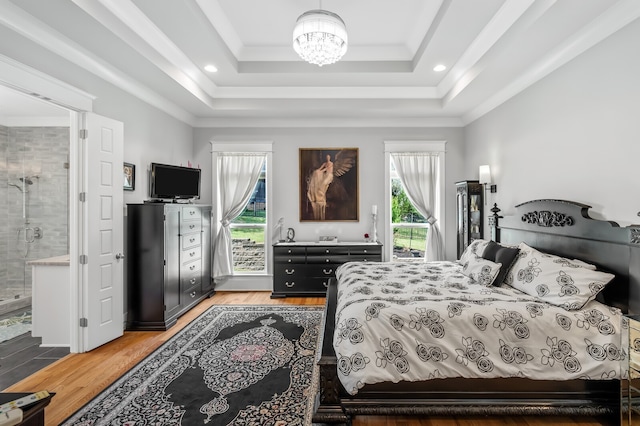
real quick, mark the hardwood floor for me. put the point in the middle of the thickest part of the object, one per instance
(77, 378)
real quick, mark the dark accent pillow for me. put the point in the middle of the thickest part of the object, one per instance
(500, 254)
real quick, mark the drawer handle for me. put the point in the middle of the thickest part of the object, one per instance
(330, 271)
(192, 267)
(289, 260)
(289, 251)
(290, 272)
(327, 260)
(289, 284)
(192, 280)
(325, 283)
(365, 250)
(192, 294)
(191, 226)
(326, 251)
(192, 212)
(365, 259)
(191, 240)
(193, 253)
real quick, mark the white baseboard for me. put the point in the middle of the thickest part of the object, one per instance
(245, 283)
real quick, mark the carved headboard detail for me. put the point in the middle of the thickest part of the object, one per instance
(547, 218)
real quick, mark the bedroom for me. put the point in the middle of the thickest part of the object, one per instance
(571, 135)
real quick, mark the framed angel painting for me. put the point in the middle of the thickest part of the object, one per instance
(328, 184)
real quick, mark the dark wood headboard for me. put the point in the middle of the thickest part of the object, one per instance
(564, 228)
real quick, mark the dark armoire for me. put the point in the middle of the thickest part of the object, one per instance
(169, 262)
(469, 212)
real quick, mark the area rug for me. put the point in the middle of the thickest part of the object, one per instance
(15, 326)
(233, 365)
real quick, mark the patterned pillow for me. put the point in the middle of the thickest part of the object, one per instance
(481, 271)
(473, 250)
(554, 279)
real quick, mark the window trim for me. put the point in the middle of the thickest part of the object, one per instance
(433, 146)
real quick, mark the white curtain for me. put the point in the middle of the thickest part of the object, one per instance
(238, 174)
(418, 172)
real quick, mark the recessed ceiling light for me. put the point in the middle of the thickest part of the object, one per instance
(439, 68)
(211, 68)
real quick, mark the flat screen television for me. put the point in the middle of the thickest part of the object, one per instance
(168, 182)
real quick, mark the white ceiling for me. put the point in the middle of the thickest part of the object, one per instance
(156, 50)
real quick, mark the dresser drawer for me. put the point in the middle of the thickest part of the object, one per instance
(190, 227)
(190, 255)
(367, 251)
(325, 251)
(190, 268)
(285, 270)
(328, 259)
(191, 240)
(365, 258)
(289, 251)
(301, 285)
(321, 271)
(191, 214)
(188, 282)
(290, 259)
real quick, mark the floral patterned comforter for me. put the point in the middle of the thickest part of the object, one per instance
(419, 321)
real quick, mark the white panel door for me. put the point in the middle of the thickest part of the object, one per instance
(103, 274)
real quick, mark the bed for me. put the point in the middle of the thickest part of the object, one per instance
(559, 230)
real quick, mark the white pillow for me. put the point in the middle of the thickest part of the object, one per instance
(481, 271)
(554, 279)
(473, 250)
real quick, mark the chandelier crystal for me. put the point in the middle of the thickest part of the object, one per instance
(320, 37)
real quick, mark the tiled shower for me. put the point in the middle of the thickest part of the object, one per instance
(34, 219)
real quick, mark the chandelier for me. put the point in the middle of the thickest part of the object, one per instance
(320, 37)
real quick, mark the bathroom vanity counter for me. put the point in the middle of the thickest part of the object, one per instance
(50, 301)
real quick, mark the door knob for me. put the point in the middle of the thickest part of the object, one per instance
(119, 256)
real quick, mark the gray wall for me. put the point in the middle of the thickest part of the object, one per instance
(370, 143)
(574, 135)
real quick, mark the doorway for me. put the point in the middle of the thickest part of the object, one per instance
(34, 220)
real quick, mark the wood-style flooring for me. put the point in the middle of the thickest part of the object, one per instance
(77, 378)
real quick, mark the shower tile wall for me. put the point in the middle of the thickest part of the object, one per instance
(41, 154)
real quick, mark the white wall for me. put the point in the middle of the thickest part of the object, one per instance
(370, 143)
(575, 135)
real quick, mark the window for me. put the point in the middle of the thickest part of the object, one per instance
(240, 201)
(248, 231)
(408, 227)
(407, 232)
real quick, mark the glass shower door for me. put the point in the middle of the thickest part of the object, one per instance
(35, 217)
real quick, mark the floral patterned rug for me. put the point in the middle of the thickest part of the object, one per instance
(233, 365)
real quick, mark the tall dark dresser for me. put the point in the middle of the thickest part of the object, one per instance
(469, 213)
(168, 262)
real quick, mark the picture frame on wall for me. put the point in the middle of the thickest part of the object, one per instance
(129, 176)
(329, 184)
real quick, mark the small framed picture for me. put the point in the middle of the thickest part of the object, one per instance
(129, 176)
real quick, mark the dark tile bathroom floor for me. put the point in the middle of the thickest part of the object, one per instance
(22, 356)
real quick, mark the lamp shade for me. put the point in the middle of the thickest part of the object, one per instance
(485, 174)
(320, 37)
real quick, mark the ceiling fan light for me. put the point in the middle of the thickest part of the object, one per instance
(320, 37)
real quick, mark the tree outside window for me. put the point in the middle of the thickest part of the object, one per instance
(248, 232)
(409, 227)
